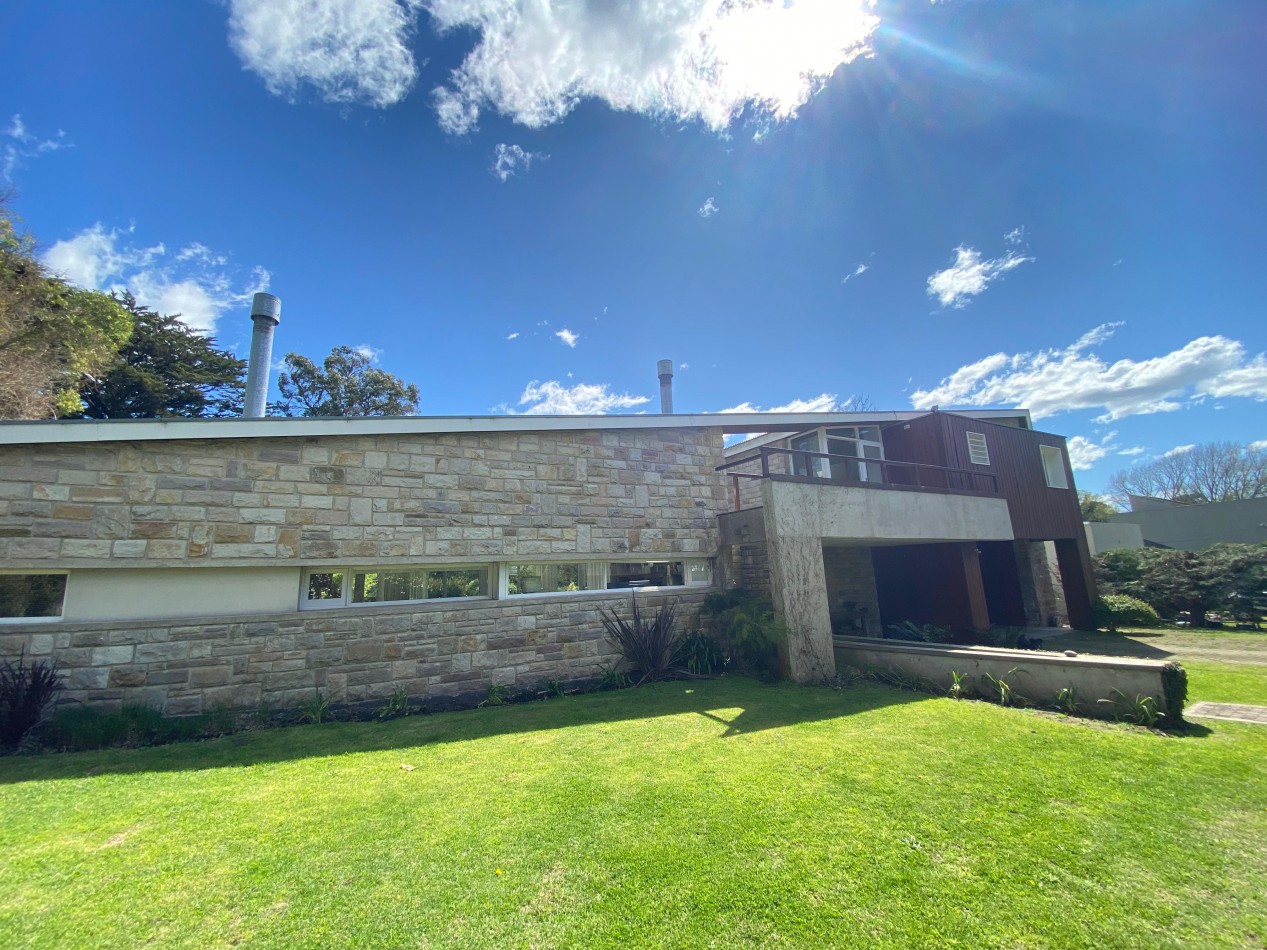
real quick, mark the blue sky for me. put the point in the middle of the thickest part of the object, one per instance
(521, 207)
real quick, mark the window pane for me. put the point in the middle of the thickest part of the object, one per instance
(551, 578)
(325, 586)
(847, 432)
(869, 433)
(699, 572)
(32, 595)
(646, 574)
(1054, 466)
(472, 582)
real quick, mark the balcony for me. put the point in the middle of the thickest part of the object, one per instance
(869, 501)
(815, 468)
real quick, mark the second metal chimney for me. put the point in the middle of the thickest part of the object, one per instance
(266, 313)
(665, 369)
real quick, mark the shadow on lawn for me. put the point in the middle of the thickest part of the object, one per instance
(740, 706)
(1112, 644)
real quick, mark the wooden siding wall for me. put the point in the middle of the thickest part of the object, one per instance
(1038, 512)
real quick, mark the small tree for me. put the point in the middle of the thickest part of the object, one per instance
(1094, 507)
(166, 368)
(51, 334)
(346, 384)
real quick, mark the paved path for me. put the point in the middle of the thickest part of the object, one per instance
(1231, 711)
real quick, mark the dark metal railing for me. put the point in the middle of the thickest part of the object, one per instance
(821, 467)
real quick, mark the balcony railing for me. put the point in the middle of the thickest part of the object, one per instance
(820, 467)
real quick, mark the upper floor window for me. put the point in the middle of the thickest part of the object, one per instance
(32, 596)
(859, 449)
(1054, 466)
(978, 451)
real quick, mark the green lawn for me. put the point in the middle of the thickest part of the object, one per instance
(1222, 666)
(722, 813)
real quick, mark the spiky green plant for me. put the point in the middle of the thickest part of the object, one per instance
(649, 646)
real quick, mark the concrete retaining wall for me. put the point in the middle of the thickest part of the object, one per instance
(1039, 675)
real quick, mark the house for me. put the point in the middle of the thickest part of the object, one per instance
(194, 563)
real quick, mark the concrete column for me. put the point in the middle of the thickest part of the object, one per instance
(799, 587)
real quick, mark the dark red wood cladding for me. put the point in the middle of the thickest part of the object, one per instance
(1038, 513)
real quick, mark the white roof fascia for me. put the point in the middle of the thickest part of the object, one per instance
(156, 430)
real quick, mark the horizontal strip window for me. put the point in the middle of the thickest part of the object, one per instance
(32, 597)
(345, 587)
(333, 587)
(553, 577)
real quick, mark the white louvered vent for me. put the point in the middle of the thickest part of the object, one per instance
(978, 454)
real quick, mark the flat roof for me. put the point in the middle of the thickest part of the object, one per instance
(154, 430)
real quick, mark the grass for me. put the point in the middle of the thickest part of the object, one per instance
(1223, 666)
(714, 813)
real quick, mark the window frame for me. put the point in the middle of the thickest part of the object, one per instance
(61, 612)
(349, 572)
(1050, 454)
(979, 451)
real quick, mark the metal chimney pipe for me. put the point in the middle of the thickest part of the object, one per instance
(266, 313)
(665, 369)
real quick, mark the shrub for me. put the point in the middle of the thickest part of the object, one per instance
(649, 646)
(1118, 610)
(397, 705)
(316, 709)
(701, 655)
(25, 692)
(82, 728)
(749, 630)
(1174, 692)
(612, 678)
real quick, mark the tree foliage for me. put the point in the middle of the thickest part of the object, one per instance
(166, 368)
(347, 383)
(51, 334)
(1228, 578)
(1215, 471)
(1094, 507)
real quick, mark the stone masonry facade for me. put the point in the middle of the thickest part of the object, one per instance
(379, 499)
(431, 650)
(469, 498)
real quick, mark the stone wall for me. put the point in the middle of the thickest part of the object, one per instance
(851, 591)
(381, 499)
(444, 648)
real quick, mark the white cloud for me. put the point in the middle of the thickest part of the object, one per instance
(825, 402)
(23, 145)
(682, 60)
(1058, 380)
(1259, 446)
(858, 271)
(1179, 450)
(708, 208)
(371, 353)
(1084, 453)
(513, 336)
(509, 159)
(349, 51)
(1133, 450)
(583, 399)
(684, 366)
(969, 275)
(568, 337)
(195, 282)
